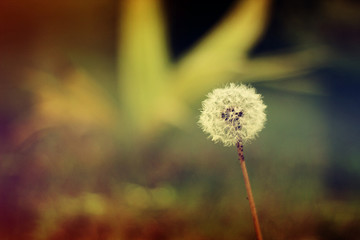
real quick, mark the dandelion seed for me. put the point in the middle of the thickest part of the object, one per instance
(233, 114)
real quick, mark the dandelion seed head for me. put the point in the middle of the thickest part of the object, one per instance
(233, 114)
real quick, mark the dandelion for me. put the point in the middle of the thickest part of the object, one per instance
(233, 115)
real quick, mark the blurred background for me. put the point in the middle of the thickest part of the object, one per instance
(99, 103)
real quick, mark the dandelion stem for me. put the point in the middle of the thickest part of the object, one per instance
(249, 192)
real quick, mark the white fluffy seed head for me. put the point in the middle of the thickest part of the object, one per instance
(233, 114)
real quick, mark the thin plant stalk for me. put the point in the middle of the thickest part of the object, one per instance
(249, 192)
